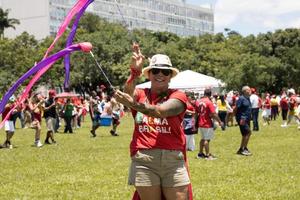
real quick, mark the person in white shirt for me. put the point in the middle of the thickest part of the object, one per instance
(254, 99)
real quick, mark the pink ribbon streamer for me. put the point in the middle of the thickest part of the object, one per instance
(79, 4)
(85, 47)
(76, 8)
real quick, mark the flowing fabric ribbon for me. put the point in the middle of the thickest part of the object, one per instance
(62, 29)
(86, 47)
(79, 8)
(70, 41)
(79, 4)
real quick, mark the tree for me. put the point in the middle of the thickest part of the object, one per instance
(6, 22)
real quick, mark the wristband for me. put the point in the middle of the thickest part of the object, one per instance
(134, 73)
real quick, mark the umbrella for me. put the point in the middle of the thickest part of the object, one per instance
(66, 95)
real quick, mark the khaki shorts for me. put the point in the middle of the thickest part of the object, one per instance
(50, 122)
(158, 167)
(207, 133)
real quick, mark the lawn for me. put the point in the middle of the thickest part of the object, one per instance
(81, 167)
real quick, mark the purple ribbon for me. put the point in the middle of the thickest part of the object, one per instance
(70, 41)
(34, 69)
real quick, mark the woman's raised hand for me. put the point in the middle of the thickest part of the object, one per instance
(137, 59)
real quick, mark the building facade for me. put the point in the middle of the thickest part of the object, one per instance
(45, 17)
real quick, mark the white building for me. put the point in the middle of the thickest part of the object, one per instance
(43, 17)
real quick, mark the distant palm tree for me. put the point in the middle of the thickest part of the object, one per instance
(5, 22)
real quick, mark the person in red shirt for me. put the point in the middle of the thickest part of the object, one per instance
(158, 168)
(9, 124)
(266, 114)
(207, 114)
(189, 124)
(292, 104)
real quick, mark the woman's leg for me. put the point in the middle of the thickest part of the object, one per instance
(176, 193)
(150, 192)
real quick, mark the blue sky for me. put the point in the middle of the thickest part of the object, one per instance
(254, 16)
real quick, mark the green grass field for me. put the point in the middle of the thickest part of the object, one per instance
(81, 167)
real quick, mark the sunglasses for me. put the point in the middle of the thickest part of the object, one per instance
(165, 72)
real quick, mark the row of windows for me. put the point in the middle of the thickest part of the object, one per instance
(58, 12)
(138, 15)
(145, 14)
(163, 6)
(61, 2)
(152, 16)
(194, 29)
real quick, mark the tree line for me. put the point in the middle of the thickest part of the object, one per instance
(269, 61)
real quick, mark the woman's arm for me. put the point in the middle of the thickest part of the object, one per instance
(137, 61)
(171, 107)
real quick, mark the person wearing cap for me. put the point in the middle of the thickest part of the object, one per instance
(243, 117)
(158, 168)
(50, 116)
(8, 124)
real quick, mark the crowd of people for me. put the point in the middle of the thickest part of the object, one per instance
(235, 109)
(56, 111)
(165, 121)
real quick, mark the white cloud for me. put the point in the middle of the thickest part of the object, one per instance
(266, 14)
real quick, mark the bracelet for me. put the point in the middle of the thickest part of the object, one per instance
(134, 73)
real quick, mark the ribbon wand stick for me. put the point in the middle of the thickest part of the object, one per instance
(99, 66)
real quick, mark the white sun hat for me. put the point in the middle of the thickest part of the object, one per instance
(160, 61)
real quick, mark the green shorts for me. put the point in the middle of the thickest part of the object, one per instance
(158, 167)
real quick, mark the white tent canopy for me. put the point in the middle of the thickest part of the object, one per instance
(190, 80)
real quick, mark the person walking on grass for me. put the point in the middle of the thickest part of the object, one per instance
(206, 114)
(274, 107)
(189, 125)
(68, 112)
(158, 168)
(9, 123)
(50, 116)
(255, 105)
(27, 114)
(243, 117)
(266, 113)
(284, 108)
(95, 109)
(117, 110)
(292, 105)
(223, 108)
(36, 107)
